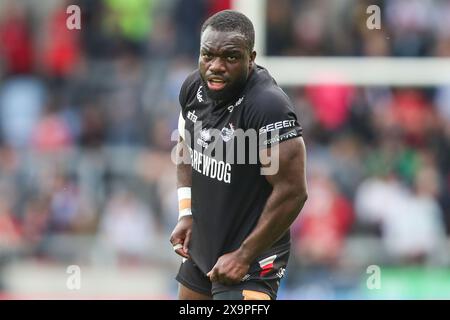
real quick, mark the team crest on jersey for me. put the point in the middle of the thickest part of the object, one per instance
(227, 133)
(199, 94)
(205, 137)
(230, 108)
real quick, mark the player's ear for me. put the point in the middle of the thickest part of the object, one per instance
(252, 59)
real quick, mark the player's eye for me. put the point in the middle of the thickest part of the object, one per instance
(207, 55)
(231, 58)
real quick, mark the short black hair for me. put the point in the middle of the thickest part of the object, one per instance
(230, 20)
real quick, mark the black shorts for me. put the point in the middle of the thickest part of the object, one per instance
(264, 277)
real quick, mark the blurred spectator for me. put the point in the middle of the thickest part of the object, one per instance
(312, 18)
(36, 223)
(324, 223)
(217, 5)
(97, 41)
(338, 28)
(376, 45)
(16, 44)
(347, 169)
(279, 29)
(123, 107)
(411, 222)
(375, 194)
(65, 205)
(410, 24)
(11, 240)
(51, 132)
(443, 104)
(162, 39)
(331, 104)
(414, 231)
(9, 167)
(132, 20)
(160, 98)
(127, 228)
(10, 233)
(92, 134)
(61, 45)
(413, 114)
(189, 18)
(19, 112)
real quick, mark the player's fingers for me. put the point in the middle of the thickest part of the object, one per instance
(212, 275)
(186, 242)
(178, 248)
(176, 238)
(180, 252)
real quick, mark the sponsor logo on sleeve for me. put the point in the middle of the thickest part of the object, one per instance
(279, 138)
(277, 126)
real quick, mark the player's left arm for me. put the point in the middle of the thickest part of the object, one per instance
(282, 208)
(288, 196)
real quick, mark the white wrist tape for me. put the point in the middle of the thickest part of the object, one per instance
(184, 202)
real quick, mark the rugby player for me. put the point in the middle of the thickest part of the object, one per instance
(234, 224)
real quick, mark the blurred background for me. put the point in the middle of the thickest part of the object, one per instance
(86, 118)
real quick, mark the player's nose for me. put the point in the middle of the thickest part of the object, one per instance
(217, 65)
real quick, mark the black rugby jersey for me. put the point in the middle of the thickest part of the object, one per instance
(228, 197)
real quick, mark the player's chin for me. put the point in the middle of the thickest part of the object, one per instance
(218, 94)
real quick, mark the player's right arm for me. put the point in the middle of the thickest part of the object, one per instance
(181, 234)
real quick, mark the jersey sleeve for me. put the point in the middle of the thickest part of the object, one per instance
(188, 90)
(183, 96)
(181, 124)
(274, 119)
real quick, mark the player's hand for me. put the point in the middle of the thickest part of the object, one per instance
(229, 269)
(181, 235)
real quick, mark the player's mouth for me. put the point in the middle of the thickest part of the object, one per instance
(216, 83)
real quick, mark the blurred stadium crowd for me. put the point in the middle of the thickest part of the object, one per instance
(86, 118)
